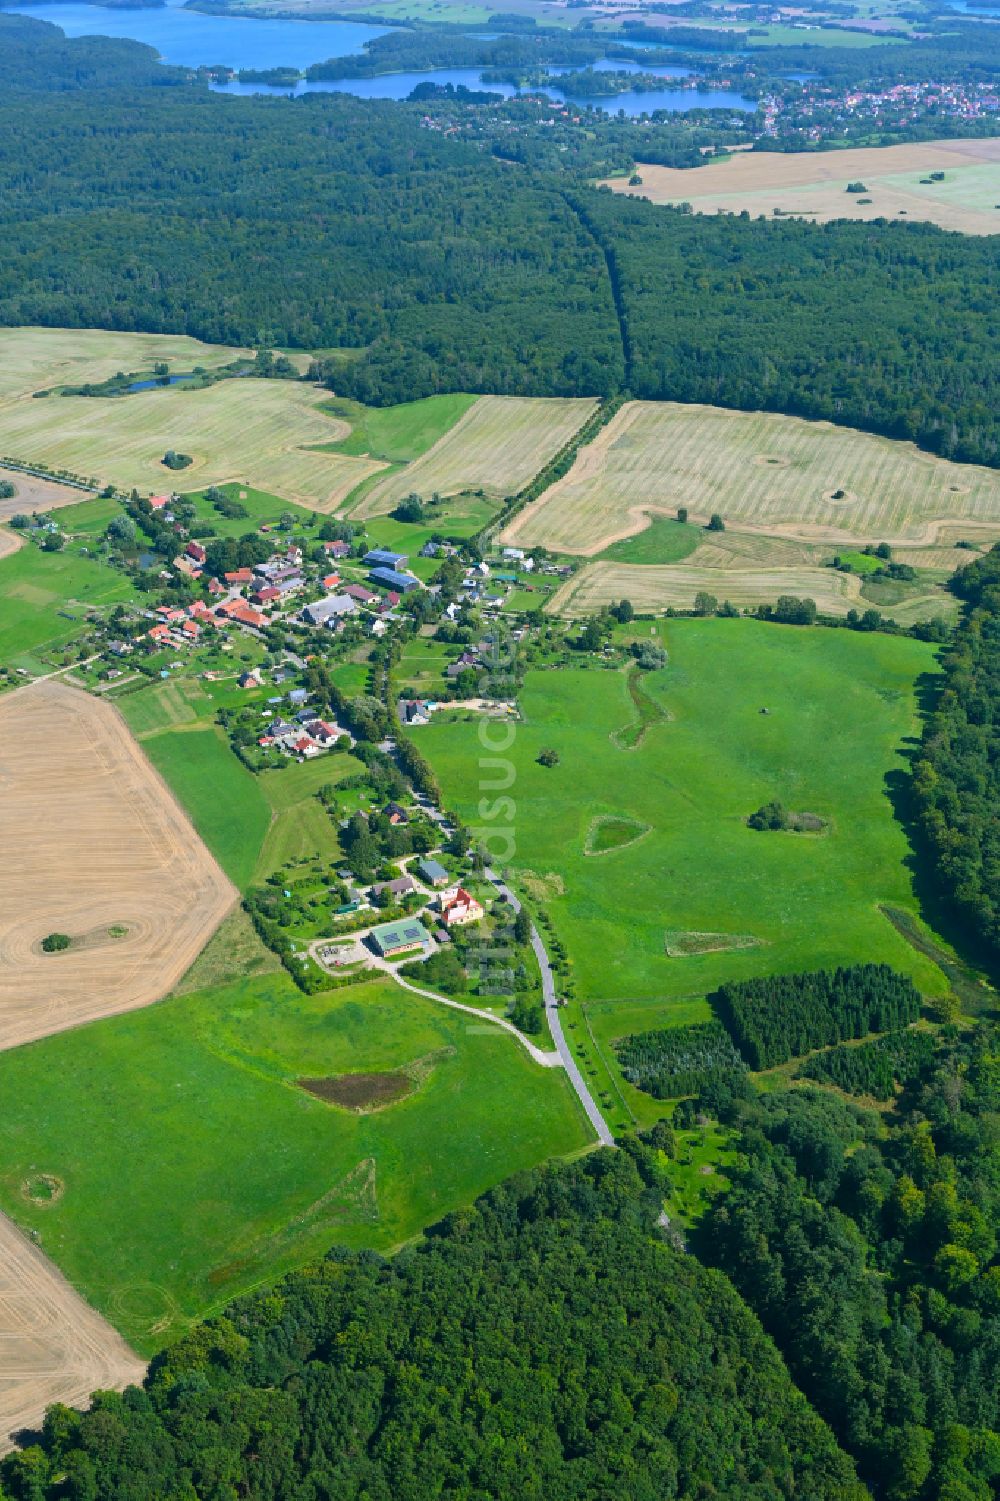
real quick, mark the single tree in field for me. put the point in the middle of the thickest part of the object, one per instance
(55, 943)
(623, 612)
(522, 927)
(716, 523)
(704, 603)
(548, 757)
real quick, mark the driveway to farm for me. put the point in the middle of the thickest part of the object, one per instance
(577, 1080)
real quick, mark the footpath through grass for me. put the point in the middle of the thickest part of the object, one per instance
(192, 1165)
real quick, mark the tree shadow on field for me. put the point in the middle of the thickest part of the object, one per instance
(935, 908)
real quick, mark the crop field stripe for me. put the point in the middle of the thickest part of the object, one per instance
(766, 474)
(653, 587)
(56, 1348)
(498, 445)
(101, 844)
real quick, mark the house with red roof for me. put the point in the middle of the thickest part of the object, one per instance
(459, 908)
(239, 577)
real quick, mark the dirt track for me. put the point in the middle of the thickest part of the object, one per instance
(53, 1346)
(94, 841)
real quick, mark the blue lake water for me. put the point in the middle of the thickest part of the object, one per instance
(158, 381)
(189, 39)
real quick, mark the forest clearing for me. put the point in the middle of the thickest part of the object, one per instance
(498, 445)
(780, 476)
(896, 181)
(106, 860)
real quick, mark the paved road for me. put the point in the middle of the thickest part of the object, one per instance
(577, 1080)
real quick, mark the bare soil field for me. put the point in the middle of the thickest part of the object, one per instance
(814, 183)
(652, 587)
(53, 1346)
(262, 432)
(97, 849)
(498, 445)
(33, 494)
(775, 476)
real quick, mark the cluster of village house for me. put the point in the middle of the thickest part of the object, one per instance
(253, 598)
(451, 907)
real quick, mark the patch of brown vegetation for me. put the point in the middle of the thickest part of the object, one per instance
(361, 1092)
(94, 841)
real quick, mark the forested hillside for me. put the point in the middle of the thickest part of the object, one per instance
(867, 1246)
(329, 221)
(545, 1343)
(957, 773)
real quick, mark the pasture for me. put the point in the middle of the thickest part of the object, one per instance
(244, 1173)
(45, 597)
(55, 1347)
(104, 856)
(497, 445)
(261, 432)
(780, 476)
(840, 705)
(814, 183)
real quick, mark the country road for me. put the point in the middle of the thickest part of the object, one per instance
(577, 1080)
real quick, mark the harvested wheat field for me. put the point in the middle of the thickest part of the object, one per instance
(814, 183)
(53, 1346)
(96, 849)
(34, 494)
(652, 587)
(808, 482)
(261, 431)
(498, 445)
(38, 359)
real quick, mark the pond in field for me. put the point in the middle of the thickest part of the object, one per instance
(189, 39)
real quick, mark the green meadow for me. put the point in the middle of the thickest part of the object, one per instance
(45, 597)
(840, 707)
(663, 541)
(399, 433)
(193, 1166)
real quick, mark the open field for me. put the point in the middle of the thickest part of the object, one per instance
(104, 855)
(814, 183)
(33, 494)
(38, 359)
(655, 588)
(765, 474)
(840, 704)
(400, 433)
(45, 597)
(192, 1164)
(497, 445)
(55, 1347)
(258, 431)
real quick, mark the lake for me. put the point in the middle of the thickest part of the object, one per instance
(190, 39)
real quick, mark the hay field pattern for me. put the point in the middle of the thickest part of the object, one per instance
(653, 587)
(815, 184)
(765, 474)
(53, 1346)
(258, 431)
(498, 445)
(94, 840)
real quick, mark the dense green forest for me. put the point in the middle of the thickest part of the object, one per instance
(546, 1343)
(957, 771)
(672, 1061)
(875, 1068)
(777, 1017)
(143, 208)
(867, 1246)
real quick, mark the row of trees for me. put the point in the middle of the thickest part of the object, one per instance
(777, 1017)
(956, 776)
